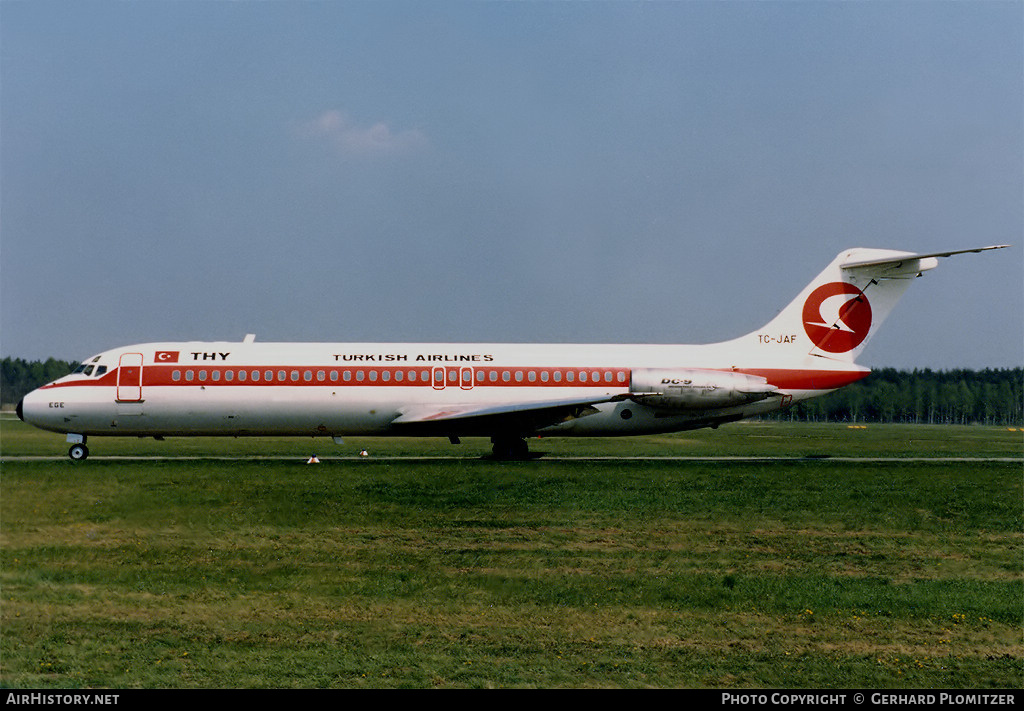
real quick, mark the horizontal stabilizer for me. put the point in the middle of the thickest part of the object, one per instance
(898, 259)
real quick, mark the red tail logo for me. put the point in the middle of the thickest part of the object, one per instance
(837, 317)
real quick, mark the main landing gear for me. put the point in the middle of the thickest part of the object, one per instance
(510, 448)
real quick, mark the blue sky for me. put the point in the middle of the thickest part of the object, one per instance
(647, 172)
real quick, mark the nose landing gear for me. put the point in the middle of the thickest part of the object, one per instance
(78, 451)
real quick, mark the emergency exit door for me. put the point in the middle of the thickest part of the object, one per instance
(443, 377)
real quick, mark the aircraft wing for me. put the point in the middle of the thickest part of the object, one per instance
(483, 419)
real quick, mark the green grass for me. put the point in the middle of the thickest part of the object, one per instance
(741, 439)
(460, 572)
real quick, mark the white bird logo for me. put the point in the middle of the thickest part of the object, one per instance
(831, 312)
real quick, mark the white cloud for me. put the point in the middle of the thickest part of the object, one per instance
(349, 139)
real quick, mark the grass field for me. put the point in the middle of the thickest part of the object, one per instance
(425, 565)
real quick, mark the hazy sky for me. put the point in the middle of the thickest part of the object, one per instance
(503, 171)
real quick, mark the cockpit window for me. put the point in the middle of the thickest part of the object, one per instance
(90, 368)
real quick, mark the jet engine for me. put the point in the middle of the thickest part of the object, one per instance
(694, 389)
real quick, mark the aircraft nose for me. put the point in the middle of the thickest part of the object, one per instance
(20, 409)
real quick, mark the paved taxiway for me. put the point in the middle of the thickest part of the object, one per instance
(537, 457)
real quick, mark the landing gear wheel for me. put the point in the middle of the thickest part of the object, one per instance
(78, 452)
(510, 448)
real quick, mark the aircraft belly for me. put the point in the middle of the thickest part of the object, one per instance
(271, 411)
(171, 411)
(333, 411)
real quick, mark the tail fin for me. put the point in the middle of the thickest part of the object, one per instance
(835, 316)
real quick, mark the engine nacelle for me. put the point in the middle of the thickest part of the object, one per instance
(694, 389)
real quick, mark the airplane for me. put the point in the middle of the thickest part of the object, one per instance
(507, 392)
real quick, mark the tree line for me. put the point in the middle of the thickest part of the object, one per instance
(887, 395)
(18, 376)
(933, 397)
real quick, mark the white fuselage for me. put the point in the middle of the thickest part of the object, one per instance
(164, 389)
